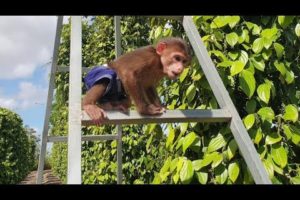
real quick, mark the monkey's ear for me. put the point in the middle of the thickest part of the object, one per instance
(161, 46)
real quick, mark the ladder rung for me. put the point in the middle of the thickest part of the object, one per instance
(171, 116)
(84, 138)
(67, 69)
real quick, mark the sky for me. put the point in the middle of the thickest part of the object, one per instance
(26, 48)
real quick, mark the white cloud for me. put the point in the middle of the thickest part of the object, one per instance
(28, 96)
(26, 43)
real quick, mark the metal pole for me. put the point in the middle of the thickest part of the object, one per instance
(239, 132)
(49, 101)
(74, 136)
(118, 51)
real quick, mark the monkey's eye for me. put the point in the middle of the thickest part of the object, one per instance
(178, 58)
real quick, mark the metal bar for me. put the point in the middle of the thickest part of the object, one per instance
(170, 116)
(84, 138)
(74, 135)
(118, 50)
(49, 101)
(241, 135)
(67, 69)
(119, 155)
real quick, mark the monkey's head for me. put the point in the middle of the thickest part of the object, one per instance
(174, 56)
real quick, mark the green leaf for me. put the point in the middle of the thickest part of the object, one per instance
(217, 159)
(289, 77)
(233, 20)
(191, 92)
(188, 140)
(273, 138)
(166, 165)
(208, 158)
(258, 136)
(249, 121)
(258, 63)
(216, 143)
(221, 174)
(285, 21)
(297, 30)
(226, 63)
(149, 141)
(247, 82)
(170, 138)
(173, 164)
(197, 164)
(258, 45)
(263, 91)
(202, 177)
(236, 67)
(296, 180)
(280, 67)
(232, 38)
(233, 55)
(269, 33)
(187, 172)
(269, 167)
(279, 156)
(232, 148)
(233, 171)
(287, 131)
(267, 42)
(279, 49)
(244, 57)
(266, 54)
(183, 74)
(244, 36)
(158, 32)
(266, 113)
(219, 22)
(291, 113)
(251, 106)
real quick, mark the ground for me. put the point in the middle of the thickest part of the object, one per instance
(48, 178)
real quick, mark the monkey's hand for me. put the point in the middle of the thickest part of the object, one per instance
(96, 113)
(152, 109)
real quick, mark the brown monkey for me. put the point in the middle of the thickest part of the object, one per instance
(135, 76)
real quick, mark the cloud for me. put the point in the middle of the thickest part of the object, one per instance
(28, 96)
(26, 43)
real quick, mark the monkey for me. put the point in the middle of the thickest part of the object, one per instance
(134, 76)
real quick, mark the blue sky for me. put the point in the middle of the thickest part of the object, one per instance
(26, 46)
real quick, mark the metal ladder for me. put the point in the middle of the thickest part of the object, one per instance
(227, 113)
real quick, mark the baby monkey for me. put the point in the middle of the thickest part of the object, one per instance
(134, 76)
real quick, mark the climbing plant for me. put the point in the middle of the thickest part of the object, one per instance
(257, 58)
(258, 61)
(17, 148)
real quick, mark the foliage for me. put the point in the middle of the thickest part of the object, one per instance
(17, 148)
(258, 61)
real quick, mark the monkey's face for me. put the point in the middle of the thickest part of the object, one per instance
(173, 63)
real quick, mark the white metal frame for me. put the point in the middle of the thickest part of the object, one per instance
(227, 113)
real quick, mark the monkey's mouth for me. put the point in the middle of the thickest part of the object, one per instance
(175, 74)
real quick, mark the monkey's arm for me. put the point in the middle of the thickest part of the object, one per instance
(96, 113)
(138, 94)
(154, 98)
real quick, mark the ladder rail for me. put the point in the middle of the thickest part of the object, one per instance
(239, 132)
(49, 101)
(74, 121)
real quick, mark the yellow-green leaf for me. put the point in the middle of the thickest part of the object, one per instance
(273, 138)
(188, 140)
(258, 63)
(202, 177)
(216, 143)
(285, 21)
(170, 138)
(247, 82)
(263, 91)
(289, 77)
(269, 167)
(291, 113)
(217, 159)
(233, 20)
(187, 172)
(191, 92)
(279, 156)
(258, 45)
(279, 49)
(236, 67)
(197, 164)
(266, 113)
(249, 121)
(232, 148)
(221, 174)
(233, 171)
(232, 38)
(297, 30)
